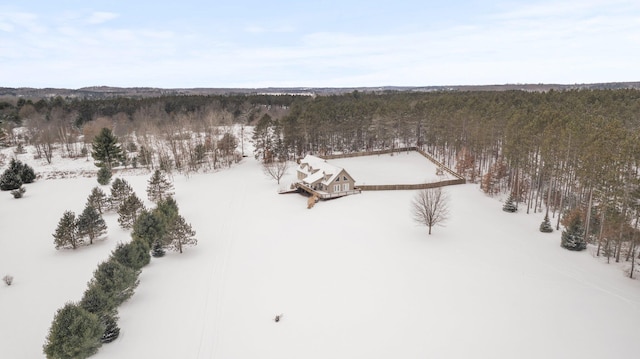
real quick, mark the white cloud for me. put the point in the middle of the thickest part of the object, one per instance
(260, 29)
(100, 17)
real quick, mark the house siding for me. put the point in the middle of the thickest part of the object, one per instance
(340, 180)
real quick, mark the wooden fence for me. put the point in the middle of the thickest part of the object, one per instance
(395, 187)
(400, 187)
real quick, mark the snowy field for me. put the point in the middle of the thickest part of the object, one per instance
(354, 277)
(398, 168)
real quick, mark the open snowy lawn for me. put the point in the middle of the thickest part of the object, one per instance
(354, 278)
(398, 168)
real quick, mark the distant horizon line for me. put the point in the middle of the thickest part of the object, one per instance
(98, 87)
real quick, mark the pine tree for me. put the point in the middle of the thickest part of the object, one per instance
(10, 180)
(129, 211)
(159, 187)
(157, 250)
(116, 280)
(91, 224)
(120, 190)
(149, 227)
(97, 199)
(95, 300)
(180, 234)
(104, 175)
(17, 174)
(106, 150)
(111, 330)
(167, 209)
(74, 333)
(509, 205)
(66, 234)
(545, 226)
(26, 173)
(573, 235)
(134, 254)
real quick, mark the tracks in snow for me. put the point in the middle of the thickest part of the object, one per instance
(214, 315)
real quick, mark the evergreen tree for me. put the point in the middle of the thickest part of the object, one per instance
(180, 234)
(106, 150)
(149, 227)
(116, 280)
(157, 250)
(17, 174)
(545, 226)
(167, 209)
(95, 300)
(129, 211)
(91, 224)
(134, 254)
(104, 176)
(10, 180)
(509, 204)
(120, 190)
(74, 333)
(159, 187)
(573, 235)
(26, 173)
(97, 199)
(265, 136)
(111, 330)
(66, 234)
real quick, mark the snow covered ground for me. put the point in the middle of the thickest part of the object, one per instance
(397, 168)
(354, 277)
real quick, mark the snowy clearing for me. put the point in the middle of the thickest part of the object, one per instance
(397, 168)
(354, 277)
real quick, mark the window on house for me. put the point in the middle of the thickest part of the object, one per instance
(344, 178)
(336, 188)
(345, 187)
(338, 179)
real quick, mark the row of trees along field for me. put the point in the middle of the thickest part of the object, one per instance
(564, 151)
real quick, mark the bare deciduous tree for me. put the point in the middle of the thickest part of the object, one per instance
(275, 169)
(430, 207)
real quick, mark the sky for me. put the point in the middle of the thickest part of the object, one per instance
(322, 43)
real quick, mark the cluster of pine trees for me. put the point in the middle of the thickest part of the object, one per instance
(79, 329)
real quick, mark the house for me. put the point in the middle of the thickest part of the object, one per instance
(326, 179)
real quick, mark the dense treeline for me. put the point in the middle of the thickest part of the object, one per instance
(85, 110)
(560, 151)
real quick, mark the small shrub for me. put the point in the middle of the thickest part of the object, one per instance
(545, 226)
(8, 279)
(157, 250)
(18, 193)
(111, 331)
(20, 149)
(509, 205)
(10, 180)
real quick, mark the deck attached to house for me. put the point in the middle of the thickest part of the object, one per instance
(320, 194)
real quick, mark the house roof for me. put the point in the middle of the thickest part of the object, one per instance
(316, 169)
